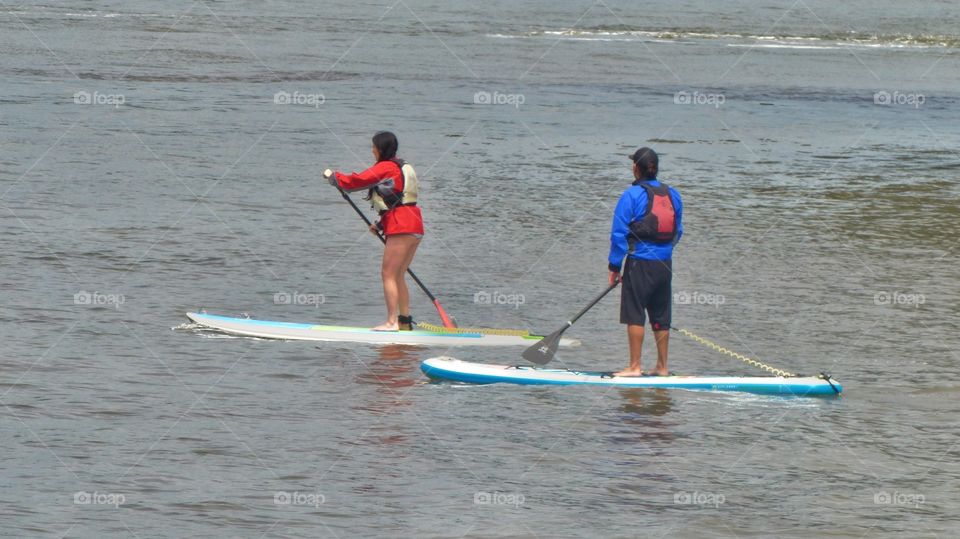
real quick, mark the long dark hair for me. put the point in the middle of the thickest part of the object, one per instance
(386, 143)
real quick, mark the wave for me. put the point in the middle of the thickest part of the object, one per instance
(832, 41)
(41, 12)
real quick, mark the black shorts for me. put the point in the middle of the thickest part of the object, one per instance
(646, 289)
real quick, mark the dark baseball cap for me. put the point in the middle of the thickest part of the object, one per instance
(644, 155)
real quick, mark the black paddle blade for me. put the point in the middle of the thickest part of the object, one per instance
(542, 352)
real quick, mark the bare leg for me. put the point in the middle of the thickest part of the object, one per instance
(395, 254)
(404, 291)
(662, 337)
(635, 336)
(403, 295)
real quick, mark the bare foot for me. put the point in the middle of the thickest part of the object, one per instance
(629, 372)
(387, 326)
(659, 373)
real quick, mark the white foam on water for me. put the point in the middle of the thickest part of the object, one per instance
(88, 15)
(775, 42)
(782, 46)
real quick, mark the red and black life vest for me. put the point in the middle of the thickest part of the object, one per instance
(659, 221)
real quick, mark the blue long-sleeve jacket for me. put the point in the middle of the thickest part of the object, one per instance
(630, 208)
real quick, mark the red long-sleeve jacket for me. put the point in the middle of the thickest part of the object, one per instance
(399, 220)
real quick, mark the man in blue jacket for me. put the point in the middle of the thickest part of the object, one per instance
(646, 225)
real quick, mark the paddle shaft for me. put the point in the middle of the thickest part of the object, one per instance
(594, 302)
(436, 303)
(542, 352)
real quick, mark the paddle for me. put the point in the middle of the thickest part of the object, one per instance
(436, 303)
(542, 352)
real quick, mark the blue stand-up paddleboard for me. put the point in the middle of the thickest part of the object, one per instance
(312, 332)
(448, 368)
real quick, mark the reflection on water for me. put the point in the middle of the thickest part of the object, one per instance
(642, 402)
(385, 427)
(392, 374)
(639, 439)
(643, 417)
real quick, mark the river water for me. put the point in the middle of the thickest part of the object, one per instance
(160, 158)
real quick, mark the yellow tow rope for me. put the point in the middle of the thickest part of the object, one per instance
(433, 328)
(731, 353)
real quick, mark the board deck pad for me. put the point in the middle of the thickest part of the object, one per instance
(315, 332)
(448, 368)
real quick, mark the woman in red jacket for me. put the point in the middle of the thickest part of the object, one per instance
(392, 189)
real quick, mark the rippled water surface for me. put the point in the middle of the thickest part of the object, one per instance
(150, 166)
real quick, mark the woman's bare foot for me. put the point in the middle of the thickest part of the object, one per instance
(659, 373)
(387, 326)
(629, 372)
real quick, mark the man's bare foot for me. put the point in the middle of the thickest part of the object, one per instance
(629, 372)
(659, 373)
(387, 326)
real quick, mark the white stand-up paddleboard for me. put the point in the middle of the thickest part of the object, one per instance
(448, 368)
(312, 332)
